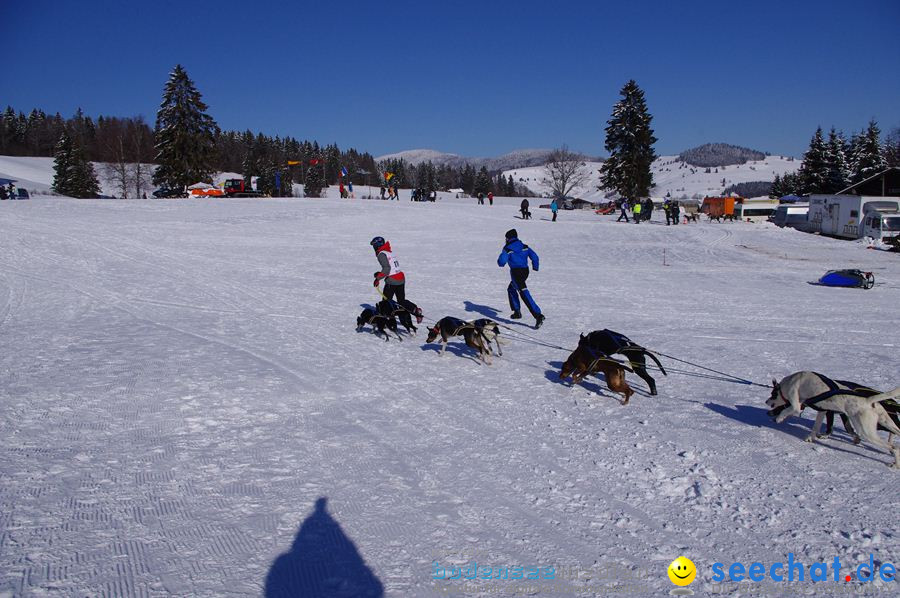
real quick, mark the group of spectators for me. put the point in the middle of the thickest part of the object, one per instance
(422, 195)
(642, 210)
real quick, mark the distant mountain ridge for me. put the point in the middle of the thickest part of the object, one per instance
(719, 154)
(515, 159)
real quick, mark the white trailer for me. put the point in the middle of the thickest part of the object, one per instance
(854, 216)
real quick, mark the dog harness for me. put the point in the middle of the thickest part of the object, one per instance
(852, 388)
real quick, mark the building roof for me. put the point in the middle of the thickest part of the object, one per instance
(885, 183)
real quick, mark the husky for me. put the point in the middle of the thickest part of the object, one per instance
(809, 389)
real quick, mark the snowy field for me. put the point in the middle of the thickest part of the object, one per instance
(188, 410)
(670, 175)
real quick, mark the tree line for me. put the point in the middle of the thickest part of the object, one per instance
(833, 164)
(186, 146)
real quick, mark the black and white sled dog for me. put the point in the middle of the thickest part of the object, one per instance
(478, 334)
(379, 319)
(385, 316)
(809, 389)
(403, 312)
(608, 342)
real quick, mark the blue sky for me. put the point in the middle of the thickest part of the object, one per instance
(475, 78)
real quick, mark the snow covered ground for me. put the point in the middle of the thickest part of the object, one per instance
(188, 410)
(671, 175)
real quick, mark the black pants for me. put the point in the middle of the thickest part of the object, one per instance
(398, 290)
(554, 216)
(624, 215)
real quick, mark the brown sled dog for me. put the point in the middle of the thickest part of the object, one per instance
(582, 363)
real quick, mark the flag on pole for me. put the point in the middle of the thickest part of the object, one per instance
(343, 171)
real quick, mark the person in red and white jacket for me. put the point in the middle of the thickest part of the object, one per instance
(393, 277)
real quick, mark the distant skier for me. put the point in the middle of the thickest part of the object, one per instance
(523, 208)
(636, 211)
(554, 207)
(516, 254)
(480, 198)
(491, 197)
(382, 192)
(393, 277)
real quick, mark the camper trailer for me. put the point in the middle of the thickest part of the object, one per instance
(854, 216)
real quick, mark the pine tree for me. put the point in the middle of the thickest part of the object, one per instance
(892, 148)
(629, 141)
(185, 135)
(482, 181)
(62, 165)
(814, 171)
(791, 184)
(837, 177)
(73, 174)
(777, 189)
(314, 181)
(869, 159)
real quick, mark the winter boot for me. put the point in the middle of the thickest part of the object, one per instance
(539, 321)
(516, 315)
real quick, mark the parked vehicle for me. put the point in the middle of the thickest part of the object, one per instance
(854, 216)
(239, 188)
(791, 216)
(717, 207)
(755, 211)
(168, 192)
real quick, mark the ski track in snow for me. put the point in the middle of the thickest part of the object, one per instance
(182, 380)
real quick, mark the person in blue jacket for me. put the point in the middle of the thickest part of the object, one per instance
(554, 207)
(516, 254)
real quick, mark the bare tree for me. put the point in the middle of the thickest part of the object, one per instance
(125, 146)
(141, 146)
(116, 168)
(564, 172)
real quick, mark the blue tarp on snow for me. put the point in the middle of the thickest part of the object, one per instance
(848, 279)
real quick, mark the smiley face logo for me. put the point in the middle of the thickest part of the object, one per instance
(682, 571)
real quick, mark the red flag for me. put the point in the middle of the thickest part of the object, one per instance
(313, 162)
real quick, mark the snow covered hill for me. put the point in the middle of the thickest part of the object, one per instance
(515, 159)
(187, 408)
(672, 176)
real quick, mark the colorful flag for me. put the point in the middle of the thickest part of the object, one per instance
(388, 176)
(314, 161)
(293, 162)
(343, 171)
